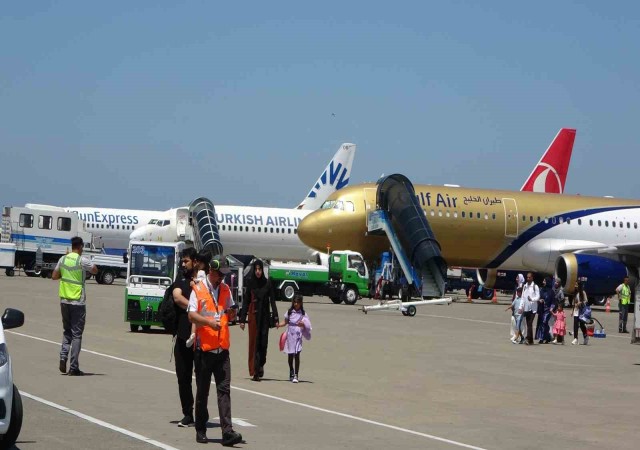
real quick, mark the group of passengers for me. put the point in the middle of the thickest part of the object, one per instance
(548, 303)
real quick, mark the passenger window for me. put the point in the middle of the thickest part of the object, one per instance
(486, 216)
(621, 225)
(26, 220)
(560, 220)
(295, 231)
(272, 230)
(448, 214)
(455, 215)
(253, 229)
(235, 228)
(613, 224)
(606, 223)
(553, 220)
(635, 225)
(579, 221)
(591, 223)
(433, 213)
(531, 219)
(289, 230)
(462, 217)
(278, 230)
(493, 216)
(478, 215)
(599, 223)
(64, 223)
(439, 213)
(628, 225)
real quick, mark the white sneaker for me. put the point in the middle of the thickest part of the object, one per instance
(555, 341)
(575, 341)
(586, 340)
(295, 379)
(513, 341)
(191, 339)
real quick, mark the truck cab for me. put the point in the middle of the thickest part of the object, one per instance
(152, 269)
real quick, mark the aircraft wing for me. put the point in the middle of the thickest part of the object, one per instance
(628, 248)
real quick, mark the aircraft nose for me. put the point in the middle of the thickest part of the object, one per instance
(314, 231)
(137, 235)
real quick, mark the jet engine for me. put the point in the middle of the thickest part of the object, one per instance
(502, 279)
(600, 275)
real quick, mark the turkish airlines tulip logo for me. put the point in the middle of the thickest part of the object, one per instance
(546, 179)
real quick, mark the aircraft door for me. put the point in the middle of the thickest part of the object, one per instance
(370, 195)
(510, 217)
(182, 220)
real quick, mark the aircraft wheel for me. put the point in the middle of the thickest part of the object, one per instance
(133, 328)
(411, 310)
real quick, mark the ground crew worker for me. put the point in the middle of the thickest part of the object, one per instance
(624, 298)
(210, 304)
(70, 271)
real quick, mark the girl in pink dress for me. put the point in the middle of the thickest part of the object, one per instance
(299, 325)
(560, 326)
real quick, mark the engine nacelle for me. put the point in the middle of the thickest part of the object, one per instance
(601, 276)
(503, 279)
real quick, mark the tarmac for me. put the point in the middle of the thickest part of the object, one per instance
(447, 378)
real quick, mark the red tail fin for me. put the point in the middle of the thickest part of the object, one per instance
(550, 174)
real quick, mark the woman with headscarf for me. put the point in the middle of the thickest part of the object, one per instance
(546, 305)
(257, 307)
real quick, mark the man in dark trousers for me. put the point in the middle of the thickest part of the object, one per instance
(211, 307)
(183, 354)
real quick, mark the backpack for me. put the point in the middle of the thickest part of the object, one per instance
(167, 312)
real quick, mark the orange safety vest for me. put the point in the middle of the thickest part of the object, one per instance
(208, 338)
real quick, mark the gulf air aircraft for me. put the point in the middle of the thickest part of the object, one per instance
(593, 239)
(265, 232)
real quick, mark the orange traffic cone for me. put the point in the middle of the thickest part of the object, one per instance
(471, 291)
(495, 296)
(607, 307)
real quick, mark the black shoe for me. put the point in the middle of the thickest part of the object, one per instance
(625, 331)
(63, 366)
(187, 421)
(75, 373)
(231, 438)
(255, 377)
(201, 437)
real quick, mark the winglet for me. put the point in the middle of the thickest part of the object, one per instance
(335, 176)
(550, 174)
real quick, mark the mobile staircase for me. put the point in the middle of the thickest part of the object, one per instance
(398, 215)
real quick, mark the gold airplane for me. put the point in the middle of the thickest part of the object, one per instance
(592, 239)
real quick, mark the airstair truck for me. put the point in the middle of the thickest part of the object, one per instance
(344, 278)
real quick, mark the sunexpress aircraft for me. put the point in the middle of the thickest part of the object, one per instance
(591, 239)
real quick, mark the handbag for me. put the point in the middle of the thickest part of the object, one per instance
(585, 316)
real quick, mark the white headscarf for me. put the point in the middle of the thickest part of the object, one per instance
(520, 278)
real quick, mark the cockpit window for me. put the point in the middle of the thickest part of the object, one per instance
(153, 221)
(348, 206)
(328, 204)
(339, 205)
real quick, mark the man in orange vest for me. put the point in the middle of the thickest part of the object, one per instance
(211, 307)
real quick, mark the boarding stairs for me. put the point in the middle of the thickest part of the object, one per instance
(399, 216)
(204, 228)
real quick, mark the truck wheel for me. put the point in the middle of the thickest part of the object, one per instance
(15, 425)
(99, 277)
(350, 296)
(287, 291)
(29, 269)
(133, 328)
(411, 310)
(107, 277)
(336, 300)
(10, 272)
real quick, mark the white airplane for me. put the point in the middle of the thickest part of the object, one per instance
(244, 230)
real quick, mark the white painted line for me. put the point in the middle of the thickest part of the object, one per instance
(238, 421)
(280, 399)
(99, 422)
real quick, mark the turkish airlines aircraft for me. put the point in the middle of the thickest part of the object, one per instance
(550, 174)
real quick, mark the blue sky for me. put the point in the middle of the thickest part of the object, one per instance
(150, 104)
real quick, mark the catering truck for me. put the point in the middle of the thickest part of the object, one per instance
(343, 278)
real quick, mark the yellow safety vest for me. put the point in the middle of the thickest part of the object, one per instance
(71, 277)
(625, 294)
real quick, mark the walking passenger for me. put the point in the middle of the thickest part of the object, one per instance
(70, 270)
(531, 296)
(579, 303)
(260, 304)
(299, 325)
(183, 353)
(560, 326)
(624, 298)
(547, 305)
(516, 318)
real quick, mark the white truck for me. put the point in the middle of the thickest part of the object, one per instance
(36, 238)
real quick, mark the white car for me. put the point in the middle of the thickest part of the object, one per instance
(10, 401)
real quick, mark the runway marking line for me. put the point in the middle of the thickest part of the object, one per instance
(99, 422)
(272, 397)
